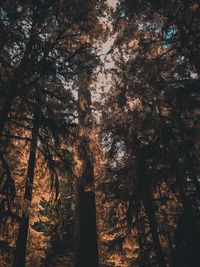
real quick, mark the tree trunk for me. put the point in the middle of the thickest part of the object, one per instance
(145, 261)
(149, 209)
(5, 112)
(21, 245)
(171, 249)
(86, 235)
(86, 254)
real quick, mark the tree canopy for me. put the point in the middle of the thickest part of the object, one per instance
(99, 133)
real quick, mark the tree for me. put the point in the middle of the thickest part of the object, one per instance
(20, 253)
(150, 111)
(39, 64)
(86, 231)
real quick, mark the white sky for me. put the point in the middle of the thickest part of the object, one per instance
(112, 3)
(104, 81)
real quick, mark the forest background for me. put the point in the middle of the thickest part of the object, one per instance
(99, 133)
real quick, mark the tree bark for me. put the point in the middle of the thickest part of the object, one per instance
(145, 261)
(149, 209)
(86, 254)
(5, 112)
(21, 244)
(171, 249)
(86, 235)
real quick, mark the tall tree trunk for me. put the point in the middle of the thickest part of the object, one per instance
(145, 261)
(86, 232)
(86, 253)
(86, 235)
(21, 245)
(149, 209)
(171, 249)
(5, 112)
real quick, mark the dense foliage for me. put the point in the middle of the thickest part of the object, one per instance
(99, 100)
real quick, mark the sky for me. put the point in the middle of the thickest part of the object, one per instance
(104, 81)
(112, 3)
